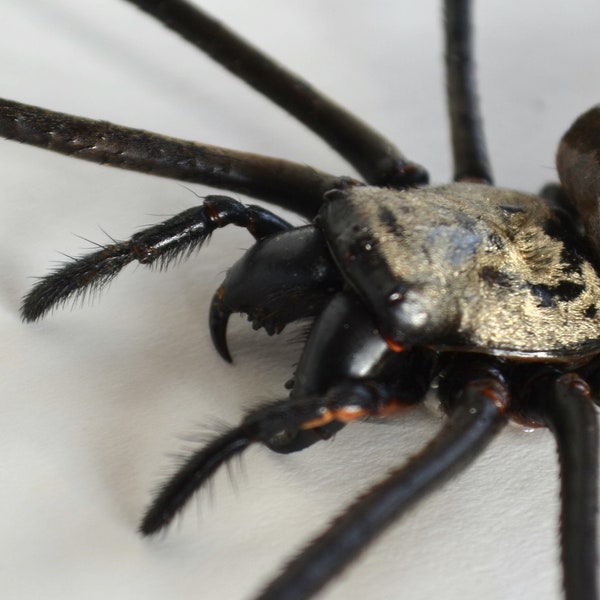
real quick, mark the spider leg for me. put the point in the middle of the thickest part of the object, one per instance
(281, 279)
(476, 415)
(176, 237)
(290, 185)
(339, 379)
(345, 344)
(468, 145)
(564, 405)
(375, 157)
(346, 402)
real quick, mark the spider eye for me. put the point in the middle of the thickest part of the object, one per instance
(407, 314)
(398, 295)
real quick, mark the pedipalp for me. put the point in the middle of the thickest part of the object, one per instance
(342, 404)
(162, 243)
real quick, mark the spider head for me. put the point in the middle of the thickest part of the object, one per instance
(465, 266)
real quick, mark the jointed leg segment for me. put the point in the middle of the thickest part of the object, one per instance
(475, 418)
(342, 404)
(162, 243)
(374, 156)
(564, 404)
(293, 186)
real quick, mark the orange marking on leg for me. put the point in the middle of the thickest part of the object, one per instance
(496, 394)
(345, 415)
(324, 419)
(393, 408)
(350, 413)
(394, 346)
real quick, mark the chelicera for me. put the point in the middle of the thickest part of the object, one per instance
(489, 294)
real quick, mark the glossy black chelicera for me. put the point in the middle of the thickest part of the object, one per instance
(489, 294)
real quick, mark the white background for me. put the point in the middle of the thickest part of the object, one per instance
(94, 400)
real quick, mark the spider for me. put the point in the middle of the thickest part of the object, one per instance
(212, 203)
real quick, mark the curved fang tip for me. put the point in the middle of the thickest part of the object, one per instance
(218, 317)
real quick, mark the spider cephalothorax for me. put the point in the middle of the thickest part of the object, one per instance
(467, 267)
(489, 295)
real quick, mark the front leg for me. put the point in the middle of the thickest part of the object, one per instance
(344, 374)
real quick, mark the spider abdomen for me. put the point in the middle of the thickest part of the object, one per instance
(467, 266)
(579, 170)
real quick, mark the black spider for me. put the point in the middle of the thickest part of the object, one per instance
(348, 369)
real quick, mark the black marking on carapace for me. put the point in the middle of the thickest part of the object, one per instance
(389, 221)
(574, 251)
(548, 295)
(591, 311)
(544, 295)
(572, 261)
(493, 276)
(495, 242)
(512, 210)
